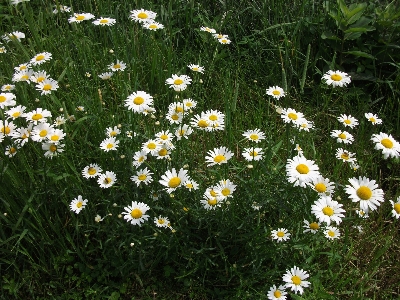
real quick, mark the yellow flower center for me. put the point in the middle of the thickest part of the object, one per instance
(280, 234)
(253, 153)
(226, 192)
(189, 185)
(276, 92)
(327, 211)
(142, 15)
(302, 169)
(396, 207)
(138, 100)
(53, 148)
(23, 68)
(55, 138)
(153, 26)
(37, 117)
(107, 180)
(178, 81)
(174, 182)
(161, 221)
(292, 116)
(202, 123)
(175, 117)
(387, 143)
(347, 121)
(43, 133)
(151, 146)
(16, 114)
(342, 136)
(331, 233)
(181, 132)
(213, 193)
(136, 213)
(189, 104)
(314, 226)
(40, 79)
(103, 21)
(142, 177)
(79, 205)
(195, 68)
(47, 87)
(162, 152)
(141, 159)
(92, 171)
(6, 130)
(277, 294)
(113, 133)
(39, 57)
(117, 66)
(224, 41)
(80, 17)
(345, 156)
(296, 280)
(178, 109)
(2, 98)
(254, 137)
(12, 150)
(372, 119)
(109, 146)
(364, 192)
(212, 202)
(320, 187)
(213, 117)
(219, 158)
(336, 77)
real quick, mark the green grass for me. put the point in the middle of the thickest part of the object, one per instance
(49, 252)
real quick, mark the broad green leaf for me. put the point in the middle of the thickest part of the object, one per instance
(329, 35)
(355, 13)
(360, 53)
(344, 9)
(352, 35)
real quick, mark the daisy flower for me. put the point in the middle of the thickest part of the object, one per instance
(40, 76)
(41, 131)
(365, 191)
(396, 208)
(295, 279)
(332, 232)
(225, 188)
(220, 36)
(200, 122)
(78, 204)
(7, 87)
(118, 66)
(189, 103)
(345, 156)
(289, 115)
(276, 92)
(138, 158)
(79, 17)
(299, 150)
(161, 221)
(304, 124)
(348, 120)
(301, 171)
(336, 78)
(109, 143)
(389, 146)
(218, 156)
(183, 131)
(7, 99)
(23, 67)
(106, 75)
(362, 214)
(210, 203)
(342, 136)
(251, 154)
(177, 107)
(3, 49)
(196, 68)
(107, 179)
(328, 210)
(255, 135)
(16, 112)
(178, 83)
(104, 21)
(6, 128)
(139, 101)
(172, 180)
(151, 146)
(20, 135)
(46, 86)
(322, 185)
(190, 184)
(207, 29)
(163, 153)
(52, 149)
(91, 171)
(224, 40)
(280, 235)
(135, 214)
(112, 131)
(98, 218)
(38, 115)
(215, 118)
(55, 135)
(11, 151)
(40, 58)
(142, 16)
(373, 118)
(60, 120)
(61, 8)
(152, 25)
(142, 176)
(24, 75)
(311, 227)
(277, 293)
(164, 137)
(13, 36)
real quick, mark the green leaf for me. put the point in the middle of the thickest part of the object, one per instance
(360, 54)
(329, 35)
(355, 13)
(344, 9)
(352, 35)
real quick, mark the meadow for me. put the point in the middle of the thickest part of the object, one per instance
(188, 149)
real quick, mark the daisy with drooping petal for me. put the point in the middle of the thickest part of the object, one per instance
(311, 227)
(7, 99)
(11, 150)
(218, 156)
(172, 180)
(328, 210)
(280, 235)
(40, 58)
(107, 179)
(79, 17)
(322, 185)
(91, 171)
(336, 78)
(362, 214)
(78, 204)
(38, 115)
(276, 92)
(152, 25)
(255, 135)
(366, 192)
(332, 232)
(301, 171)
(139, 101)
(207, 29)
(52, 149)
(118, 66)
(161, 221)
(142, 16)
(342, 136)
(104, 21)
(373, 118)
(196, 68)
(109, 143)
(348, 120)
(138, 158)
(345, 156)
(7, 87)
(135, 213)
(277, 293)
(183, 131)
(295, 279)
(289, 115)
(142, 176)
(251, 154)
(106, 75)
(46, 86)
(210, 203)
(389, 146)
(178, 83)
(396, 208)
